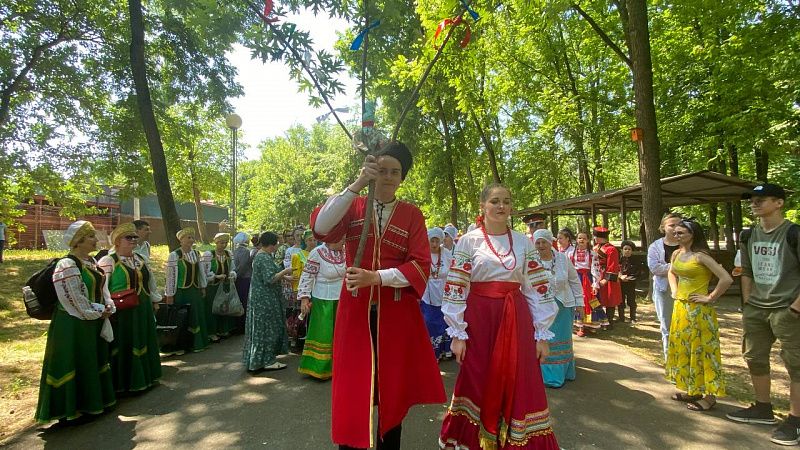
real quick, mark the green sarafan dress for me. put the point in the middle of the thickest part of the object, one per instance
(76, 374)
(135, 362)
(185, 272)
(265, 328)
(218, 325)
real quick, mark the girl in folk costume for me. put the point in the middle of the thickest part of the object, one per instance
(606, 274)
(319, 289)
(694, 363)
(431, 302)
(450, 236)
(382, 357)
(584, 260)
(566, 242)
(265, 330)
(297, 330)
(186, 285)
(76, 375)
(499, 313)
(135, 362)
(559, 366)
(218, 268)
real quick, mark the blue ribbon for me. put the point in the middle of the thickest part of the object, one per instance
(356, 44)
(471, 11)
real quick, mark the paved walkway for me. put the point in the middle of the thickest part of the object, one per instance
(206, 400)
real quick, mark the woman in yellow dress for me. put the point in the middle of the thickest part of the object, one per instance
(694, 363)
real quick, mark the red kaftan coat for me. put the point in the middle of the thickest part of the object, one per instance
(609, 295)
(407, 371)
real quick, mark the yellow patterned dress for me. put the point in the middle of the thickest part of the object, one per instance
(694, 363)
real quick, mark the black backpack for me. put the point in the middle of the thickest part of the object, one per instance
(39, 292)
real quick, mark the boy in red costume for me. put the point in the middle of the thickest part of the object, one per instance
(381, 352)
(606, 272)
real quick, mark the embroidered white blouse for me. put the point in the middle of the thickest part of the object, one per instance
(136, 261)
(323, 274)
(440, 267)
(192, 257)
(569, 251)
(205, 264)
(565, 284)
(475, 262)
(287, 258)
(583, 258)
(73, 295)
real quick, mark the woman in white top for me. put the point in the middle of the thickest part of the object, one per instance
(319, 289)
(566, 288)
(659, 255)
(76, 374)
(499, 317)
(431, 302)
(566, 242)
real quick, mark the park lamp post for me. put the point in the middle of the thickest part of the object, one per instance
(234, 122)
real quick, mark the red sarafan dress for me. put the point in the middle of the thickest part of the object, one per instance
(498, 298)
(607, 268)
(407, 372)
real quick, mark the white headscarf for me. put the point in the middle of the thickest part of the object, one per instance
(435, 232)
(543, 234)
(240, 238)
(451, 231)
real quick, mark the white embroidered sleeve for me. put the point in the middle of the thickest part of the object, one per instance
(456, 289)
(202, 277)
(72, 293)
(574, 282)
(309, 276)
(333, 211)
(172, 275)
(538, 293)
(205, 264)
(597, 275)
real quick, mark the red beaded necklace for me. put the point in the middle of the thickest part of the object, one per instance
(436, 268)
(510, 248)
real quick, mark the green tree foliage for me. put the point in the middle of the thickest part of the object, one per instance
(294, 174)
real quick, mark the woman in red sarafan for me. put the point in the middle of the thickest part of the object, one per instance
(499, 306)
(381, 352)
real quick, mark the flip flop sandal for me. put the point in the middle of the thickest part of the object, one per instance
(686, 398)
(697, 406)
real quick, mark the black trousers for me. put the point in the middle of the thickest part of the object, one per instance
(629, 297)
(2, 247)
(391, 440)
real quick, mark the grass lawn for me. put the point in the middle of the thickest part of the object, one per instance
(22, 342)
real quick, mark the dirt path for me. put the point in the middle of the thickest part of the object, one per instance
(206, 400)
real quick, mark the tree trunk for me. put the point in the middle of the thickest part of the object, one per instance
(166, 202)
(198, 206)
(451, 179)
(649, 151)
(487, 142)
(762, 164)
(733, 163)
(714, 228)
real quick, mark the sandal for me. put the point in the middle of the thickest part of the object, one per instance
(275, 366)
(686, 398)
(704, 406)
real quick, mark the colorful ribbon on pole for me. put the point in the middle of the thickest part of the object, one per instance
(268, 5)
(475, 16)
(456, 21)
(356, 44)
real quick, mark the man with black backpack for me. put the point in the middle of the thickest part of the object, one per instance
(771, 291)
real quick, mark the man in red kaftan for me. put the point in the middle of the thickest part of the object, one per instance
(381, 352)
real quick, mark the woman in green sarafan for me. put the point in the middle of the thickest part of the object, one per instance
(218, 267)
(186, 285)
(265, 328)
(76, 375)
(135, 362)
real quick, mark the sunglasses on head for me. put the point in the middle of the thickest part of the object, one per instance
(131, 238)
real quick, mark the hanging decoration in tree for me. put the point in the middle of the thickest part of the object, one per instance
(475, 16)
(454, 22)
(268, 5)
(359, 39)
